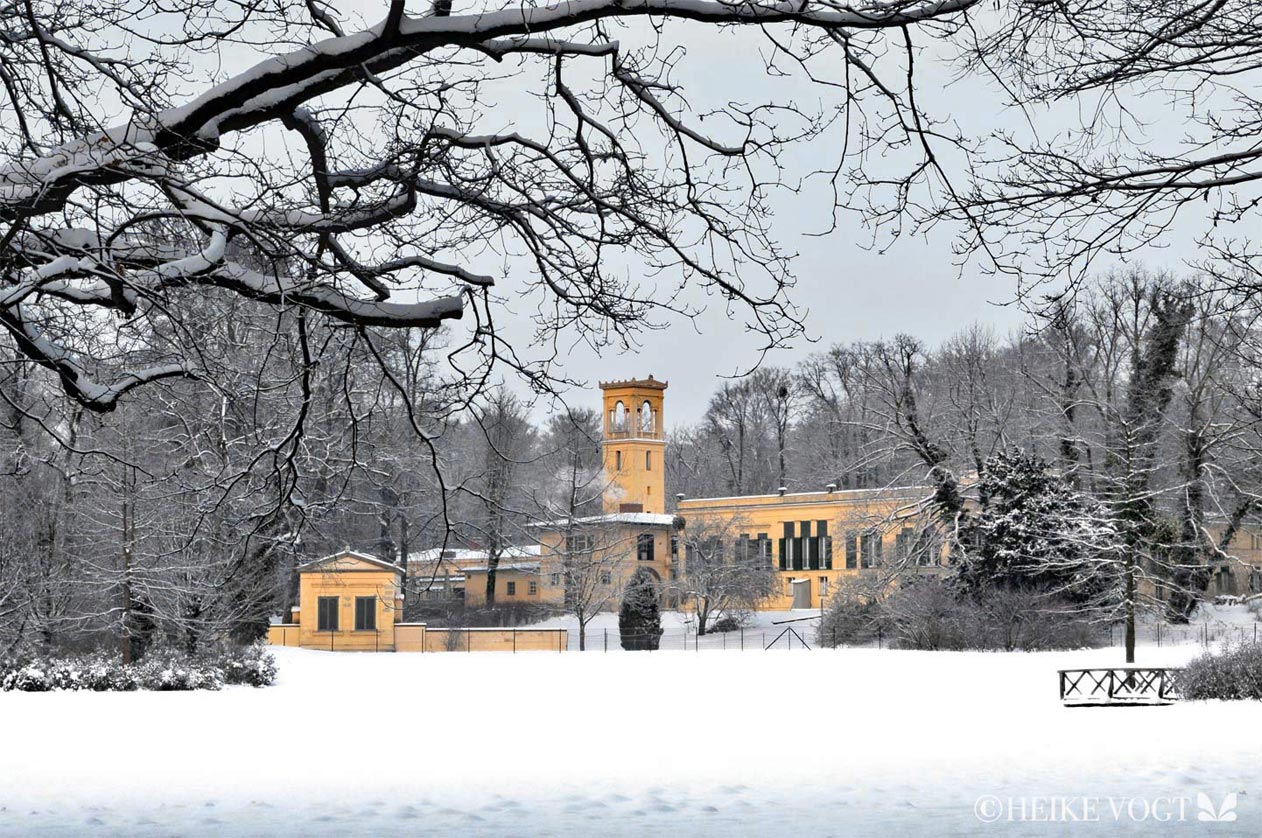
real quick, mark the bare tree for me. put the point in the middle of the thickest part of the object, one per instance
(723, 574)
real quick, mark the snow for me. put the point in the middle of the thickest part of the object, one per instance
(827, 742)
(638, 518)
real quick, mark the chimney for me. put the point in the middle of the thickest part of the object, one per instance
(831, 487)
(679, 496)
(781, 491)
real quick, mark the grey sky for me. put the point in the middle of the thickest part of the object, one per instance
(851, 293)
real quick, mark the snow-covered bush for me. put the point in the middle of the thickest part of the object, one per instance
(933, 614)
(164, 670)
(251, 665)
(1232, 675)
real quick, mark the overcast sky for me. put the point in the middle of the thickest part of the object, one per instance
(851, 292)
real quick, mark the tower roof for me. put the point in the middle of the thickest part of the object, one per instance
(649, 383)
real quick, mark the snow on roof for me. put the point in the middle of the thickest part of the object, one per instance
(352, 554)
(650, 519)
(461, 557)
(526, 567)
(893, 491)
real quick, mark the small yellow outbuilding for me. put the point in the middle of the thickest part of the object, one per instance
(348, 601)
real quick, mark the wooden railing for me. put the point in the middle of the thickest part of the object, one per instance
(1122, 685)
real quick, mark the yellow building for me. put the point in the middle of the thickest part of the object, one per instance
(351, 602)
(634, 446)
(460, 574)
(590, 558)
(348, 601)
(816, 541)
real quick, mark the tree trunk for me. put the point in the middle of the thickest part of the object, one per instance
(1130, 609)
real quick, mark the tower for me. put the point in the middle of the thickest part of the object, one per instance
(634, 445)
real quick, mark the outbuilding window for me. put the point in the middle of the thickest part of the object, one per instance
(644, 547)
(534, 588)
(365, 613)
(326, 613)
(512, 589)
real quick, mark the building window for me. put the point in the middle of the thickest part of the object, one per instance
(823, 586)
(788, 587)
(905, 543)
(512, 589)
(578, 544)
(617, 461)
(365, 613)
(534, 589)
(648, 460)
(764, 550)
(870, 546)
(787, 553)
(326, 613)
(644, 547)
(674, 546)
(852, 551)
(556, 579)
(606, 578)
(810, 552)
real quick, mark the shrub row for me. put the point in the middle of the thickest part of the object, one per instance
(162, 670)
(931, 614)
(1232, 675)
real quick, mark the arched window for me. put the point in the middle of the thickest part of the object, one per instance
(646, 417)
(618, 417)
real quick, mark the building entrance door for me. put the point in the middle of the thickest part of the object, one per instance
(801, 593)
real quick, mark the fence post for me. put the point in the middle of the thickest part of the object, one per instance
(1255, 632)
(606, 640)
(1158, 634)
(514, 640)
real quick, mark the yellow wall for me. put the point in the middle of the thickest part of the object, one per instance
(346, 581)
(496, 640)
(631, 477)
(614, 551)
(883, 512)
(545, 593)
(285, 634)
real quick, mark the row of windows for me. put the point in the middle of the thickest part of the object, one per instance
(823, 586)
(365, 613)
(646, 419)
(807, 545)
(648, 460)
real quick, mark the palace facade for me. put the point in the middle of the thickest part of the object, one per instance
(815, 543)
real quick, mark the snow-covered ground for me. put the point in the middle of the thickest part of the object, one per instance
(1214, 624)
(844, 742)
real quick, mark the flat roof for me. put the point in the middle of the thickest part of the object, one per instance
(812, 497)
(651, 519)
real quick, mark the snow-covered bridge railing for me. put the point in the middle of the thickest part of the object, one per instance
(1123, 685)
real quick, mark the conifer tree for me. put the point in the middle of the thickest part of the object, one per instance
(640, 619)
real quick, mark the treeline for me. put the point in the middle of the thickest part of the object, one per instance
(182, 514)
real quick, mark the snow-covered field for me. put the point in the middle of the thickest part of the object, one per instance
(846, 742)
